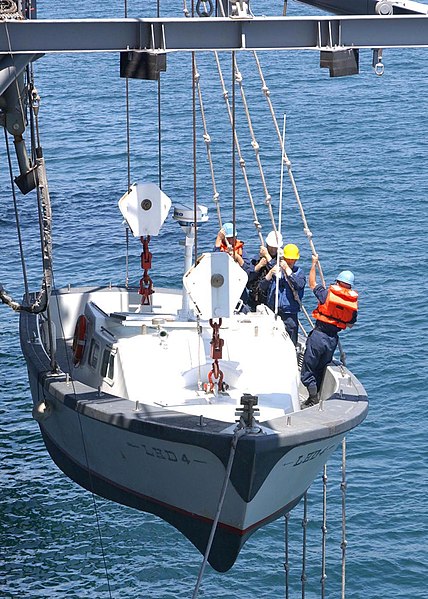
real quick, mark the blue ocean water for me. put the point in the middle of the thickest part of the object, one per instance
(359, 149)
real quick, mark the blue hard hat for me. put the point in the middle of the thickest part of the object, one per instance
(228, 230)
(346, 276)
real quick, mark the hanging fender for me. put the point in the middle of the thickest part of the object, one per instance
(79, 339)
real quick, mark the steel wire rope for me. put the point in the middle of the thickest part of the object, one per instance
(91, 490)
(42, 299)
(128, 161)
(238, 433)
(324, 531)
(17, 220)
(21, 247)
(303, 577)
(344, 542)
(34, 102)
(195, 179)
(286, 554)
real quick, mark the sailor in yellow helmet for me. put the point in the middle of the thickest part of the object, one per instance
(291, 286)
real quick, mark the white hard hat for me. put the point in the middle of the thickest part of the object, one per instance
(274, 240)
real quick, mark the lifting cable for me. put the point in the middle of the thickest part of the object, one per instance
(45, 216)
(286, 555)
(303, 577)
(128, 163)
(324, 531)
(344, 542)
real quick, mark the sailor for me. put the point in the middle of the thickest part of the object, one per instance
(227, 241)
(291, 286)
(261, 264)
(336, 310)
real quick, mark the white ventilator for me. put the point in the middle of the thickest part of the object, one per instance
(145, 208)
(215, 285)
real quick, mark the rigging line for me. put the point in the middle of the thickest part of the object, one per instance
(159, 119)
(304, 539)
(324, 531)
(238, 149)
(344, 542)
(287, 162)
(238, 433)
(91, 490)
(233, 153)
(94, 502)
(255, 145)
(18, 225)
(195, 182)
(266, 92)
(286, 561)
(280, 215)
(128, 161)
(207, 140)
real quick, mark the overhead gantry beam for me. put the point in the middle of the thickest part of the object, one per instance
(222, 34)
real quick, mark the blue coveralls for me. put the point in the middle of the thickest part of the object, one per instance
(320, 347)
(256, 295)
(288, 307)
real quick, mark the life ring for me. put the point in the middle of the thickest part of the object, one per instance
(79, 339)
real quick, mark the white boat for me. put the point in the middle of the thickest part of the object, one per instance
(157, 401)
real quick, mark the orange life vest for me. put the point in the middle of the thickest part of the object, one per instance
(238, 247)
(339, 307)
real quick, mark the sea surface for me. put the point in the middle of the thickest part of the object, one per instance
(359, 151)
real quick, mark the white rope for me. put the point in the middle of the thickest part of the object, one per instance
(255, 145)
(280, 215)
(238, 149)
(207, 140)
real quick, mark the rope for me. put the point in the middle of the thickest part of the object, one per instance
(256, 147)
(207, 140)
(128, 162)
(195, 179)
(238, 149)
(239, 432)
(17, 221)
(324, 532)
(344, 542)
(304, 538)
(286, 562)
(306, 229)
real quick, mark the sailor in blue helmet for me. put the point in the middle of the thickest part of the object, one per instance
(337, 310)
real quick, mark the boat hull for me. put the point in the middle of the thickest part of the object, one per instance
(173, 464)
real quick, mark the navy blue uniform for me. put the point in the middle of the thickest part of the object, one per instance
(320, 347)
(288, 306)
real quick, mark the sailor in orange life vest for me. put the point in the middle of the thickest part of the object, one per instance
(336, 310)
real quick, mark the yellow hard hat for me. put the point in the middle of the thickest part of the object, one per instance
(291, 252)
